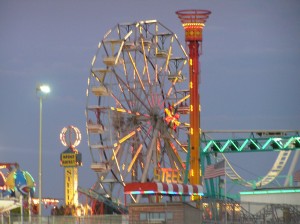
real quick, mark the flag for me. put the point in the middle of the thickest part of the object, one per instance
(215, 170)
(297, 176)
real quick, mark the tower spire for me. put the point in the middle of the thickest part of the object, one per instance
(193, 22)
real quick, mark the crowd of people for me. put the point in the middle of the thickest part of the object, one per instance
(71, 210)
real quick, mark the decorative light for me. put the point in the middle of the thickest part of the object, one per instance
(193, 25)
(71, 130)
(172, 117)
(283, 191)
(134, 158)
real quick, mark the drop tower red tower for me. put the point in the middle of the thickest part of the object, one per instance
(193, 22)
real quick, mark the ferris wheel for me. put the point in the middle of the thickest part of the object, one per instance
(137, 106)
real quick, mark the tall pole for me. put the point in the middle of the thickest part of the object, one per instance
(193, 22)
(40, 161)
(42, 91)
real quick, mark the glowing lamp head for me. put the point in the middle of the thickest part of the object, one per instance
(43, 90)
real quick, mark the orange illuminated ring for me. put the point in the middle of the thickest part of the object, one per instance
(74, 136)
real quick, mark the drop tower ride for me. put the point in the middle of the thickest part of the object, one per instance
(193, 22)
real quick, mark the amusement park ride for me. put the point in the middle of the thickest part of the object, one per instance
(143, 122)
(17, 189)
(143, 118)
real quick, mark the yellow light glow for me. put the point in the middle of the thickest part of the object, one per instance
(121, 110)
(136, 70)
(183, 99)
(45, 201)
(168, 112)
(115, 152)
(169, 54)
(176, 166)
(176, 152)
(193, 25)
(146, 69)
(134, 158)
(192, 173)
(191, 62)
(176, 140)
(170, 90)
(117, 162)
(94, 59)
(167, 175)
(127, 137)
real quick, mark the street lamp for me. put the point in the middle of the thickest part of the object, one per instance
(42, 91)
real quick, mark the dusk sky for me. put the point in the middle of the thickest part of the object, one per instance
(250, 72)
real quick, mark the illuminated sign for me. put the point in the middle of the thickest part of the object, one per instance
(167, 175)
(68, 159)
(70, 136)
(71, 183)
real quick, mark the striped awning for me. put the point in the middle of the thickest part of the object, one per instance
(163, 189)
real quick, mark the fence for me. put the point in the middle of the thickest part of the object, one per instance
(217, 211)
(211, 212)
(103, 219)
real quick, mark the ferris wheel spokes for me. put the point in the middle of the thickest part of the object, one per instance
(137, 71)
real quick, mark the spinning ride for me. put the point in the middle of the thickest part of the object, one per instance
(137, 108)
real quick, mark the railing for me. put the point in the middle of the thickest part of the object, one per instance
(103, 219)
(213, 211)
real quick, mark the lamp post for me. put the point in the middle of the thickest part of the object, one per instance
(42, 91)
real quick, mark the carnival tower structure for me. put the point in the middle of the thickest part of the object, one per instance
(193, 22)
